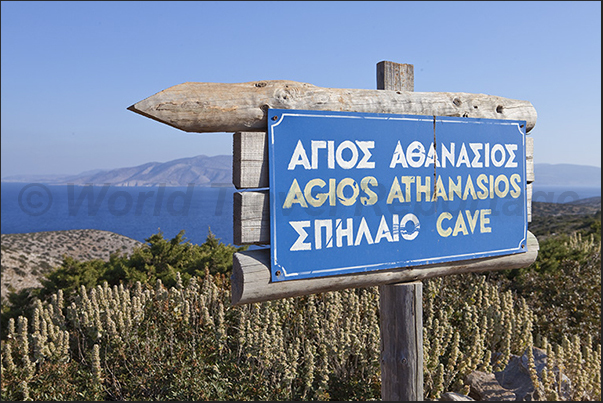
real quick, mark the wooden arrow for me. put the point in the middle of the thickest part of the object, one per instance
(218, 107)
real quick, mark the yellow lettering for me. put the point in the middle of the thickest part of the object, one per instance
(372, 196)
(480, 183)
(469, 189)
(472, 219)
(454, 187)
(440, 190)
(443, 232)
(395, 192)
(515, 178)
(320, 197)
(491, 186)
(460, 226)
(347, 201)
(505, 181)
(294, 196)
(484, 220)
(332, 187)
(407, 181)
(426, 189)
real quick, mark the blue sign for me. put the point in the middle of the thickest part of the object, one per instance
(355, 192)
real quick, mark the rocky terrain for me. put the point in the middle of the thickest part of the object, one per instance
(26, 257)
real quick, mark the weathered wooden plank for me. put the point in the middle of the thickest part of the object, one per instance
(251, 275)
(400, 305)
(251, 218)
(220, 107)
(529, 159)
(250, 165)
(529, 175)
(529, 198)
(395, 76)
(401, 325)
(250, 160)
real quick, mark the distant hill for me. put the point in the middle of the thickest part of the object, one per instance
(589, 206)
(203, 170)
(567, 175)
(564, 218)
(200, 170)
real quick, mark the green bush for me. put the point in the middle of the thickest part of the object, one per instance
(158, 259)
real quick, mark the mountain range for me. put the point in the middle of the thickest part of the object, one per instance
(200, 170)
(205, 170)
(567, 175)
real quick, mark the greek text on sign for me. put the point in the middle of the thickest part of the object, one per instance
(353, 192)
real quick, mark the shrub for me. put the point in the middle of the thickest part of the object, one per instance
(188, 343)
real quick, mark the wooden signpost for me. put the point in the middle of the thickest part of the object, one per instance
(244, 109)
(401, 304)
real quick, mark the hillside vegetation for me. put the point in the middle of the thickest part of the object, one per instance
(26, 258)
(158, 325)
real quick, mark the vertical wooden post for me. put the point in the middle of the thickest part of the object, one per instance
(401, 305)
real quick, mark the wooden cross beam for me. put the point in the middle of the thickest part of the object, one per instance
(218, 107)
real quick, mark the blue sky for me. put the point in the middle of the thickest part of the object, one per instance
(70, 69)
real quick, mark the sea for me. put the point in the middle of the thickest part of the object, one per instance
(135, 212)
(139, 212)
